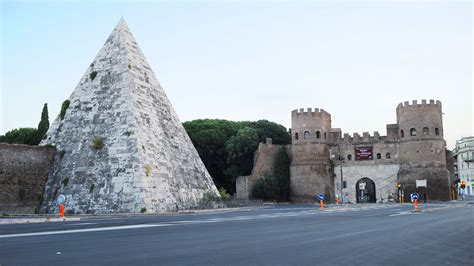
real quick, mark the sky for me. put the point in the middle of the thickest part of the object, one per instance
(251, 60)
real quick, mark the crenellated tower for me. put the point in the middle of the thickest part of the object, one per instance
(422, 148)
(310, 168)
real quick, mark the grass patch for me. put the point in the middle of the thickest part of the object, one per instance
(97, 143)
(64, 107)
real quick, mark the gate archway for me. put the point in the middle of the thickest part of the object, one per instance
(365, 191)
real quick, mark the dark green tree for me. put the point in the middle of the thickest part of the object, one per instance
(266, 129)
(27, 136)
(209, 137)
(43, 124)
(227, 150)
(240, 149)
(281, 172)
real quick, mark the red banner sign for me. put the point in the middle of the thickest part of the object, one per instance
(363, 153)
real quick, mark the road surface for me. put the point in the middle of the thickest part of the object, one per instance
(364, 234)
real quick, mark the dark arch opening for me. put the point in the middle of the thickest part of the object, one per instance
(413, 132)
(402, 134)
(306, 135)
(318, 134)
(365, 191)
(436, 131)
(296, 136)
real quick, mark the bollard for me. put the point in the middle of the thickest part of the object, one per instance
(337, 200)
(61, 211)
(415, 202)
(321, 204)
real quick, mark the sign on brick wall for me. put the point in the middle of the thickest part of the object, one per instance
(363, 153)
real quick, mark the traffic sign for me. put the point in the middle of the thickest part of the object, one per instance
(61, 198)
(414, 196)
(321, 197)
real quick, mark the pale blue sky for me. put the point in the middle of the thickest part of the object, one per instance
(248, 61)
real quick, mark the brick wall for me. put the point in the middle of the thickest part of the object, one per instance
(23, 173)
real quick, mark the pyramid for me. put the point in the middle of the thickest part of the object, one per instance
(120, 145)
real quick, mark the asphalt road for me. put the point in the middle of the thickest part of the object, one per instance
(371, 234)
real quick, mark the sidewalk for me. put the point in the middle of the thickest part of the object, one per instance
(31, 220)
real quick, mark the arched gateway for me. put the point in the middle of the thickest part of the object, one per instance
(365, 191)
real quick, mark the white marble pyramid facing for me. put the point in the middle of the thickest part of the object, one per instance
(147, 159)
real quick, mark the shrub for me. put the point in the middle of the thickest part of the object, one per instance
(97, 143)
(26, 135)
(91, 188)
(64, 107)
(147, 169)
(258, 190)
(62, 153)
(129, 66)
(209, 196)
(65, 181)
(92, 75)
(143, 210)
(224, 195)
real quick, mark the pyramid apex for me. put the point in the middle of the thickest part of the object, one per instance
(121, 23)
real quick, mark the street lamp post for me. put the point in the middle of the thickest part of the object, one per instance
(342, 185)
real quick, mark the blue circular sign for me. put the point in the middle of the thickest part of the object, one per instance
(414, 196)
(61, 198)
(321, 197)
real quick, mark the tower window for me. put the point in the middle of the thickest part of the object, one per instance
(413, 132)
(436, 131)
(296, 136)
(402, 134)
(349, 157)
(388, 156)
(306, 135)
(324, 135)
(318, 134)
(426, 131)
(379, 156)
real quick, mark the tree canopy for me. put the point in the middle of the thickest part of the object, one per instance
(227, 147)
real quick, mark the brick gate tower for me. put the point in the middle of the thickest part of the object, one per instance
(422, 149)
(310, 168)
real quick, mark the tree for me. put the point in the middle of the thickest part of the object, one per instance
(27, 136)
(227, 147)
(281, 171)
(43, 124)
(266, 129)
(240, 149)
(209, 137)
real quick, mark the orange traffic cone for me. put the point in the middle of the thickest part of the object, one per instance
(61, 211)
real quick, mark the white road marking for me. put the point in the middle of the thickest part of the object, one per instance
(401, 213)
(81, 224)
(210, 220)
(124, 227)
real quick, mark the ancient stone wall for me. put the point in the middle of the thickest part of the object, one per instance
(23, 173)
(264, 162)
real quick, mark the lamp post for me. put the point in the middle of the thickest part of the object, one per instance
(342, 185)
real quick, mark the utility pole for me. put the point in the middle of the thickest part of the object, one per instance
(342, 185)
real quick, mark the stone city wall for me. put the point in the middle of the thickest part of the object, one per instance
(23, 173)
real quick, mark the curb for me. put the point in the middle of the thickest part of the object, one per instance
(37, 220)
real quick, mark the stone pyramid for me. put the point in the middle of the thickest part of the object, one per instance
(120, 145)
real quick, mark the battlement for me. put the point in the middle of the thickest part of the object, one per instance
(415, 103)
(309, 111)
(365, 138)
